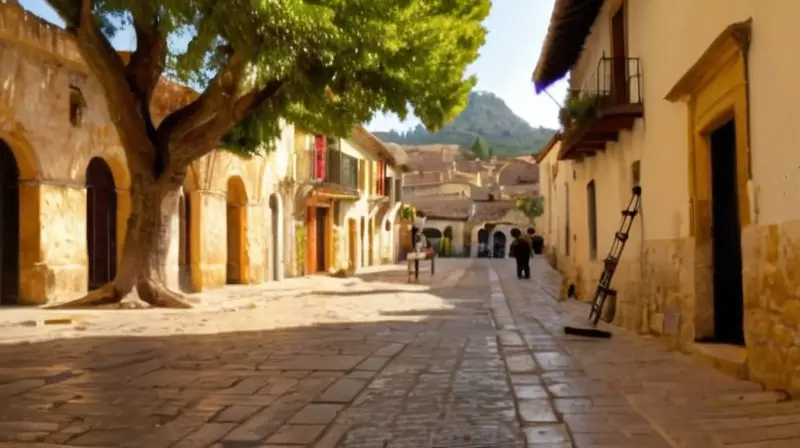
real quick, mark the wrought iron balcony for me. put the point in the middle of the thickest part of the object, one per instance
(328, 168)
(609, 102)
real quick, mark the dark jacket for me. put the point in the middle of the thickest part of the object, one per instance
(521, 248)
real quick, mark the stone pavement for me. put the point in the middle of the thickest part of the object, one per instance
(631, 391)
(473, 358)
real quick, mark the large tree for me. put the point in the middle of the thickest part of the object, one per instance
(324, 65)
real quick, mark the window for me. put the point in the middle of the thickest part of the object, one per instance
(77, 107)
(320, 156)
(591, 201)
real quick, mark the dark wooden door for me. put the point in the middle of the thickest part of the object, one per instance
(727, 238)
(101, 216)
(619, 55)
(322, 243)
(9, 226)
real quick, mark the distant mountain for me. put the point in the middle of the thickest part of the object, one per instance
(488, 116)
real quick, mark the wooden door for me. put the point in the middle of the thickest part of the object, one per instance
(619, 55)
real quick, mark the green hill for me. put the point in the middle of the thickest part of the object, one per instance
(486, 115)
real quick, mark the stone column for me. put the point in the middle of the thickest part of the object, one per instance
(289, 250)
(210, 253)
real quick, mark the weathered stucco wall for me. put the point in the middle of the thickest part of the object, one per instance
(662, 289)
(38, 64)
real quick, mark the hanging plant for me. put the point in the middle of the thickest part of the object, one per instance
(579, 106)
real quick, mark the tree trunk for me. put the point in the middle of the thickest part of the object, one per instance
(144, 256)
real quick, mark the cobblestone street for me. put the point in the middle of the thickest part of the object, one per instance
(473, 358)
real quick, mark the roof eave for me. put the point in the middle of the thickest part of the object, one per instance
(570, 18)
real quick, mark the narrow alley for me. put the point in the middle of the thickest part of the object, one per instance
(473, 358)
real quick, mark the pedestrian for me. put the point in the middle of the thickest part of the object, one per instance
(521, 249)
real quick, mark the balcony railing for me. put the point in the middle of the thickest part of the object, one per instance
(607, 103)
(329, 166)
(617, 81)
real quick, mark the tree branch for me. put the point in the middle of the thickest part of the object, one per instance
(147, 63)
(109, 69)
(202, 140)
(205, 107)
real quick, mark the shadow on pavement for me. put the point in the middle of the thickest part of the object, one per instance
(400, 381)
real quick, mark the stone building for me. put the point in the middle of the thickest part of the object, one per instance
(65, 199)
(470, 202)
(694, 102)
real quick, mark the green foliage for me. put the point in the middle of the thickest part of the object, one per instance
(578, 107)
(531, 206)
(479, 148)
(300, 240)
(486, 116)
(408, 212)
(397, 56)
(445, 247)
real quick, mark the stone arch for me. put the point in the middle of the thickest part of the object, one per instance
(24, 156)
(9, 226)
(432, 234)
(116, 163)
(499, 241)
(276, 231)
(101, 222)
(21, 197)
(189, 236)
(238, 260)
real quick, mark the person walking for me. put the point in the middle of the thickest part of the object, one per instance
(521, 251)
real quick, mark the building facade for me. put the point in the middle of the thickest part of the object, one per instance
(66, 200)
(693, 102)
(470, 204)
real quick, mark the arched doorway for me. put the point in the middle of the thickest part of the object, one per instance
(9, 226)
(499, 244)
(433, 236)
(275, 224)
(101, 222)
(483, 244)
(236, 213)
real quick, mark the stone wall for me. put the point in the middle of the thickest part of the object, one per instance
(771, 255)
(39, 69)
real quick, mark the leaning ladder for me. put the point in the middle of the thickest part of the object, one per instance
(611, 261)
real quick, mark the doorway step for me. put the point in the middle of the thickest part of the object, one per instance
(730, 359)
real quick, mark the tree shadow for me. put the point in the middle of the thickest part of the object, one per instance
(388, 377)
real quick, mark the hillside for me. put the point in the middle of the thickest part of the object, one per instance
(486, 115)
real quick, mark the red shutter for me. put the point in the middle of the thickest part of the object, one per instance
(320, 155)
(381, 177)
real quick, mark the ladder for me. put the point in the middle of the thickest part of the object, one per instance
(611, 261)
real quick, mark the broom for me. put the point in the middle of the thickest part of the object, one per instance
(592, 332)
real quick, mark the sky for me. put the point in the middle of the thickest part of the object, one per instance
(516, 31)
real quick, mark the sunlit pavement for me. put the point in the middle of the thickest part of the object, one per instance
(472, 357)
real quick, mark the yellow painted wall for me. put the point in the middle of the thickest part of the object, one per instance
(658, 278)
